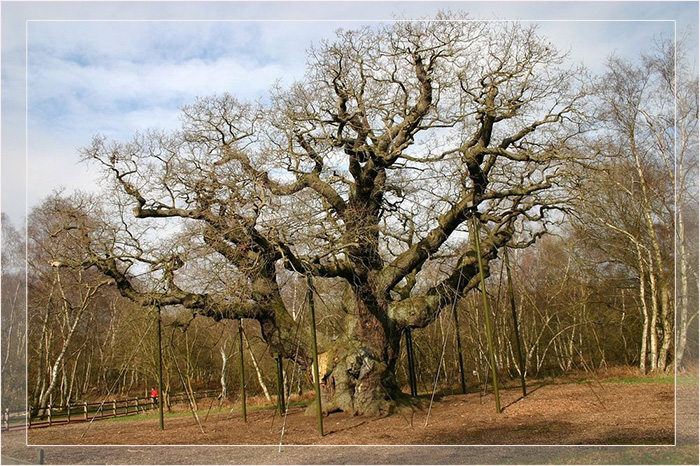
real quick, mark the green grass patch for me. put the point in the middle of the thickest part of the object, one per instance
(688, 380)
(663, 379)
(146, 416)
(153, 414)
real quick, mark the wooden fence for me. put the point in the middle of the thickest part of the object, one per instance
(81, 412)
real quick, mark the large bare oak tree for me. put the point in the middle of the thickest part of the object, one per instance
(365, 172)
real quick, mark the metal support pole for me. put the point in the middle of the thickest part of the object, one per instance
(487, 311)
(521, 362)
(314, 349)
(240, 347)
(160, 374)
(411, 363)
(280, 384)
(462, 376)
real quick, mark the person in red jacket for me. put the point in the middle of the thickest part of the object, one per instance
(154, 395)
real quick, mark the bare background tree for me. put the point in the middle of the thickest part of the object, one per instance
(14, 328)
(646, 193)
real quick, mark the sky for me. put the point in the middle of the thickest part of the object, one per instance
(72, 70)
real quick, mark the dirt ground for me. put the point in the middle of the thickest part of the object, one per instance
(552, 414)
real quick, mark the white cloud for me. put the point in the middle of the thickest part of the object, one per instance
(132, 84)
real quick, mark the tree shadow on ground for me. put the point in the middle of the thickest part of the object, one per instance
(522, 435)
(520, 398)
